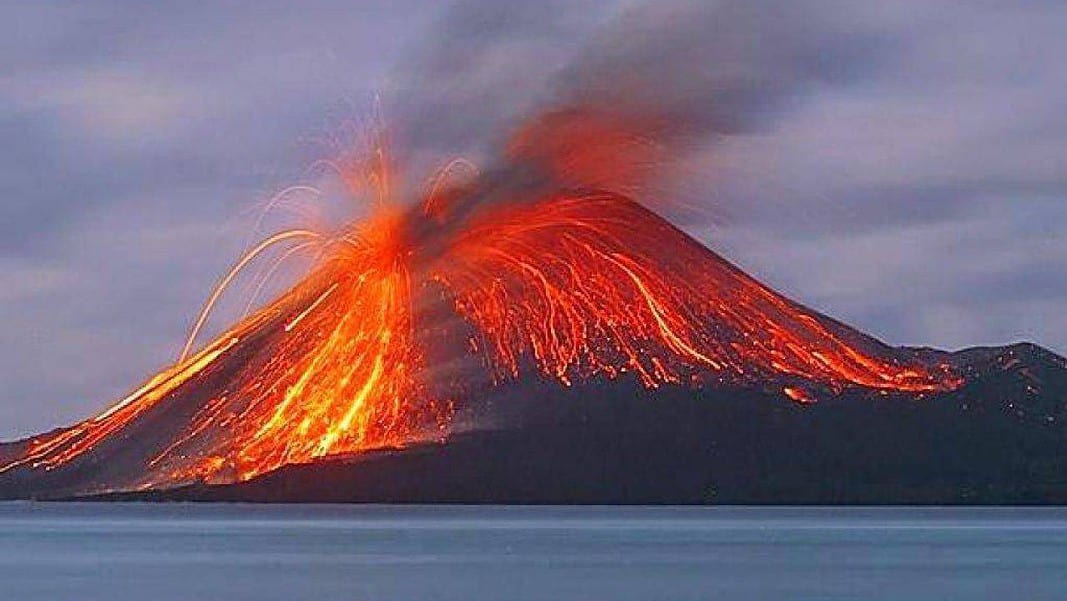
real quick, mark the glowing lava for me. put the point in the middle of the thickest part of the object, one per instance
(589, 284)
(576, 285)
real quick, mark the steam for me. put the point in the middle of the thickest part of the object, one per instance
(563, 95)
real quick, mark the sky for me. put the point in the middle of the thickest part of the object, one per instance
(900, 166)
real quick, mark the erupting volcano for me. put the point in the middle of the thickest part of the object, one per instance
(414, 315)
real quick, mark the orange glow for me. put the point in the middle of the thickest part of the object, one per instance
(589, 284)
(798, 394)
(574, 285)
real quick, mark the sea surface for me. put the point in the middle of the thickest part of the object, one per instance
(184, 552)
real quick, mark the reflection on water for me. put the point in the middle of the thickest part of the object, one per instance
(380, 553)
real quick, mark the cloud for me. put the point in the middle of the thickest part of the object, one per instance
(109, 105)
(720, 67)
(516, 86)
(918, 202)
(991, 276)
(479, 66)
(715, 67)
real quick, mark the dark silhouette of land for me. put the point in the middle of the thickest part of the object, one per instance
(1000, 439)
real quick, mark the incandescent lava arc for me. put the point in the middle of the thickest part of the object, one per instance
(574, 286)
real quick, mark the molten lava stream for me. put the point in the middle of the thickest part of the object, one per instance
(592, 283)
(342, 376)
(577, 285)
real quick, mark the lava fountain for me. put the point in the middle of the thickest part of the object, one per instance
(566, 280)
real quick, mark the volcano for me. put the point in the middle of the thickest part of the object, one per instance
(570, 348)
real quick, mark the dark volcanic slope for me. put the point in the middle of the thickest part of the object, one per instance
(382, 340)
(999, 439)
(563, 295)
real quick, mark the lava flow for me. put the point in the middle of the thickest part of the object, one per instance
(572, 284)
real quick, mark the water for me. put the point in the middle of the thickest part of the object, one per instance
(380, 553)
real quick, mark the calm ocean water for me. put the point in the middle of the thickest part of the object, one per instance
(380, 553)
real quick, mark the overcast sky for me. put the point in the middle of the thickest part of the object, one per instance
(901, 166)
